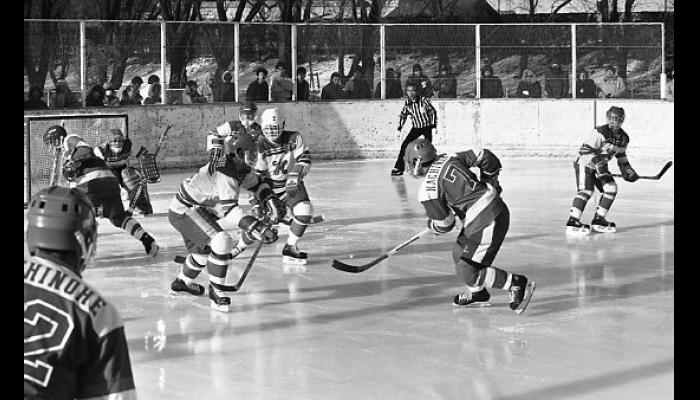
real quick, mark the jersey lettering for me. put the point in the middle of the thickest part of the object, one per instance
(46, 330)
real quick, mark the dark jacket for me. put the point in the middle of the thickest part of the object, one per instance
(556, 83)
(257, 91)
(302, 89)
(332, 92)
(393, 89)
(491, 87)
(586, 89)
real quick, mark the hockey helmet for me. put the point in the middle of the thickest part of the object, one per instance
(54, 136)
(116, 142)
(247, 113)
(615, 116)
(70, 143)
(419, 155)
(62, 219)
(272, 123)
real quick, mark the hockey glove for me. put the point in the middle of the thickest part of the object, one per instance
(292, 184)
(629, 174)
(70, 171)
(302, 170)
(215, 147)
(440, 227)
(254, 229)
(275, 209)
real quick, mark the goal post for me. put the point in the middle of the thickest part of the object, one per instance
(40, 160)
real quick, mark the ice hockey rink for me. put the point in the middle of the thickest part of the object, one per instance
(600, 324)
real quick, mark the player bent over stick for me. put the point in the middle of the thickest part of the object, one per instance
(201, 201)
(592, 172)
(94, 178)
(451, 188)
(74, 341)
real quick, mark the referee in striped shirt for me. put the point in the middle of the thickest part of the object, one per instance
(424, 120)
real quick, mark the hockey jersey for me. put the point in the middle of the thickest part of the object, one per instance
(74, 342)
(219, 191)
(601, 145)
(276, 160)
(86, 165)
(449, 186)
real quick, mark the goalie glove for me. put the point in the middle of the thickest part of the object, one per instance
(215, 147)
(255, 229)
(629, 174)
(275, 209)
(441, 226)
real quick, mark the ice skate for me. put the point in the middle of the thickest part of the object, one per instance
(218, 301)
(479, 298)
(194, 289)
(150, 245)
(396, 172)
(520, 293)
(292, 255)
(600, 224)
(574, 226)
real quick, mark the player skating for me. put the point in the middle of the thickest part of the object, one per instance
(592, 172)
(245, 132)
(201, 201)
(92, 176)
(117, 153)
(74, 341)
(283, 161)
(450, 189)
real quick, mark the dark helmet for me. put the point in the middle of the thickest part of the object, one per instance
(247, 113)
(419, 153)
(54, 135)
(62, 219)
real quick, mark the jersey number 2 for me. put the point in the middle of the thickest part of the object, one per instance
(46, 330)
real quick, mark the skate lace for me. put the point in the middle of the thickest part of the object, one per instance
(466, 296)
(513, 293)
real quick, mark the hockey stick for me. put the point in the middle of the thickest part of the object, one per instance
(316, 219)
(162, 138)
(360, 268)
(180, 259)
(132, 203)
(655, 177)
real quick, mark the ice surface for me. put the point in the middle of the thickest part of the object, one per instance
(600, 325)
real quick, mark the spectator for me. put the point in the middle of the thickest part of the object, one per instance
(96, 97)
(445, 82)
(357, 87)
(153, 94)
(35, 102)
(556, 82)
(528, 86)
(669, 87)
(111, 99)
(422, 82)
(191, 95)
(302, 85)
(207, 90)
(63, 97)
(128, 97)
(136, 82)
(491, 86)
(226, 90)
(281, 85)
(612, 86)
(258, 90)
(334, 89)
(393, 86)
(153, 79)
(585, 87)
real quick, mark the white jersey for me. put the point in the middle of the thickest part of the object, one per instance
(276, 160)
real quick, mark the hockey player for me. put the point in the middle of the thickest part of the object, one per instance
(91, 175)
(284, 161)
(116, 153)
(74, 341)
(196, 210)
(592, 172)
(245, 131)
(450, 189)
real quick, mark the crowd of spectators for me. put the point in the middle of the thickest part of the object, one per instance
(555, 83)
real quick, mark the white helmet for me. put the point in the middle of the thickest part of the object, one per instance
(272, 123)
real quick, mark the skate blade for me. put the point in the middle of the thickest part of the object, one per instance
(529, 290)
(292, 260)
(472, 305)
(604, 229)
(224, 308)
(574, 231)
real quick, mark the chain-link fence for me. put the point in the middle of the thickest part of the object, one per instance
(71, 64)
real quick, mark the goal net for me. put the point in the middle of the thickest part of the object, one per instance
(42, 161)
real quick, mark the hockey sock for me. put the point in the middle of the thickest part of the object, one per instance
(133, 228)
(495, 278)
(217, 262)
(293, 238)
(193, 265)
(296, 230)
(579, 204)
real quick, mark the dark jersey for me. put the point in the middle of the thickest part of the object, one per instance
(74, 342)
(449, 186)
(88, 166)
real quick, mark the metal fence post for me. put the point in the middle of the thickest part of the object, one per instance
(382, 62)
(83, 64)
(163, 62)
(293, 71)
(477, 39)
(236, 58)
(573, 61)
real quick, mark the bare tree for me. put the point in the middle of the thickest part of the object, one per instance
(43, 40)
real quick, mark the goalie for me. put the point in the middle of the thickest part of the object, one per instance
(92, 176)
(117, 153)
(592, 172)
